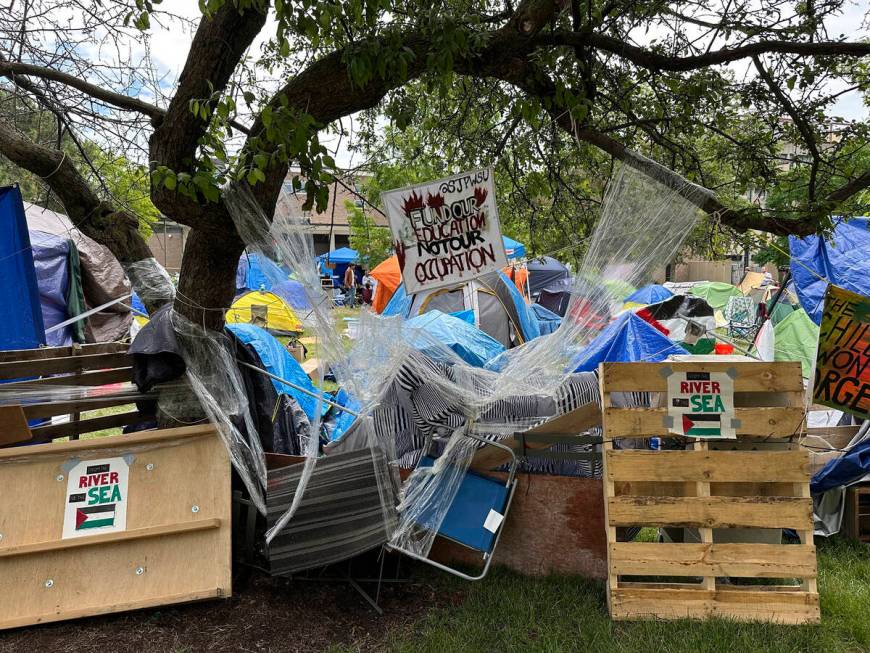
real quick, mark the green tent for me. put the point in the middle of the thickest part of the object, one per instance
(795, 339)
(715, 293)
(781, 311)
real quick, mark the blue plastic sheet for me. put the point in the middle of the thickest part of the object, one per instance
(278, 361)
(468, 342)
(400, 303)
(339, 421)
(843, 259)
(627, 339)
(845, 470)
(548, 321)
(137, 304)
(513, 248)
(528, 320)
(255, 272)
(651, 294)
(51, 262)
(21, 325)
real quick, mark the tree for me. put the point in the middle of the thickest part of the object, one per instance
(580, 68)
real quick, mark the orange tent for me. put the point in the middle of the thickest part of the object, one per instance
(388, 276)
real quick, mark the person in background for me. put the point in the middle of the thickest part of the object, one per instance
(370, 280)
(367, 293)
(350, 285)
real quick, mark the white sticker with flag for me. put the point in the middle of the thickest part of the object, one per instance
(96, 498)
(701, 405)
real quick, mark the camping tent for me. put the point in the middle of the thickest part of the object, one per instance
(651, 294)
(103, 278)
(795, 339)
(499, 308)
(627, 339)
(672, 315)
(21, 325)
(292, 292)
(264, 309)
(256, 271)
(58, 275)
(547, 273)
(715, 293)
(843, 260)
(338, 259)
(467, 341)
(389, 277)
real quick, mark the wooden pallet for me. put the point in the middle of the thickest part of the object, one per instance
(856, 516)
(716, 488)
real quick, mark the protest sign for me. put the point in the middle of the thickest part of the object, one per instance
(446, 231)
(701, 405)
(842, 379)
(96, 498)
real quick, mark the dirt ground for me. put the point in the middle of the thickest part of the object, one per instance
(263, 615)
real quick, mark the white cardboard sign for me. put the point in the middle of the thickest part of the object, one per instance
(96, 498)
(446, 231)
(701, 405)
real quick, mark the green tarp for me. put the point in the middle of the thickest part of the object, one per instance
(715, 293)
(795, 339)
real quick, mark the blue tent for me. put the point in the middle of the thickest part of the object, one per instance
(547, 272)
(513, 248)
(256, 271)
(468, 342)
(651, 294)
(400, 302)
(548, 321)
(51, 263)
(843, 259)
(852, 466)
(528, 319)
(292, 292)
(21, 325)
(339, 259)
(628, 339)
(278, 361)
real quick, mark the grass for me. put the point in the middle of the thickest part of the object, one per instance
(507, 612)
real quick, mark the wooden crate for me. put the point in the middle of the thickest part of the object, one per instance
(175, 546)
(733, 487)
(29, 370)
(856, 516)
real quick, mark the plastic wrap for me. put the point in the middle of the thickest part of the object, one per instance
(151, 282)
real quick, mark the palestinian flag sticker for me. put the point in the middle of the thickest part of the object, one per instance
(96, 498)
(701, 405)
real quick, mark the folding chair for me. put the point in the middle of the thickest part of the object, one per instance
(476, 515)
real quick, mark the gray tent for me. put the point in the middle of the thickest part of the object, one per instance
(103, 278)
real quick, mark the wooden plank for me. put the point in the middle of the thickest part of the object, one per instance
(702, 489)
(101, 377)
(93, 540)
(577, 421)
(52, 408)
(62, 449)
(752, 376)
(13, 426)
(836, 436)
(54, 431)
(711, 512)
(178, 478)
(64, 365)
(712, 466)
(783, 607)
(312, 368)
(711, 559)
(58, 352)
(777, 422)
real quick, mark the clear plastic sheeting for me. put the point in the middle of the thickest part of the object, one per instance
(217, 383)
(151, 282)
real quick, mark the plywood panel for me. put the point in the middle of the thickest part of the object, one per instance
(710, 512)
(733, 466)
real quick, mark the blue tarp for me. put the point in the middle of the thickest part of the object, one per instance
(340, 420)
(528, 320)
(651, 294)
(340, 259)
(293, 293)
(845, 470)
(137, 304)
(513, 248)
(468, 342)
(256, 271)
(21, 325)
(843, 259)
(627, 339)
(400, 302)
(51, 263)
(548, 321)
(278, 361)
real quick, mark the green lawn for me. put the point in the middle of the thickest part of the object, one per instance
(507, 612)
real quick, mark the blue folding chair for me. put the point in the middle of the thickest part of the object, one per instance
(464, 523)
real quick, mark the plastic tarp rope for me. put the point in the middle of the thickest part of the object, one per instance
(468, 342)
(628, 339)
(21, 325)
(843, 259)
(278, 361)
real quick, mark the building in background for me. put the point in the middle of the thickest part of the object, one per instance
(167, 243)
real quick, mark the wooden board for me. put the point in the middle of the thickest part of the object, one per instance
(13, 426)
(175, 548)
(718, 494)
